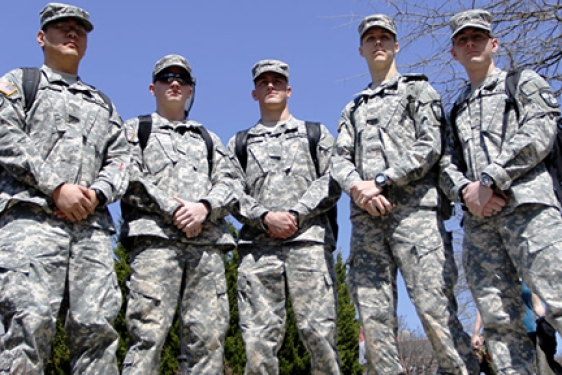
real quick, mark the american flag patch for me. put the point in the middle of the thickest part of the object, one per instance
(7, 88)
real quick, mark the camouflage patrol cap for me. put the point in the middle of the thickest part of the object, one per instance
(477, 18)
(56, 11)
(171, 60)
(377, 20)
(275, 66)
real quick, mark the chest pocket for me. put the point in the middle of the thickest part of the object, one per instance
(492, 119)
(192, 153)
(160, 152)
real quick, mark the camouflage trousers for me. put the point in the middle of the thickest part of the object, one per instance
(160, 269)
(40, 256)
(307, 271)
(412, 240)
(497, 252)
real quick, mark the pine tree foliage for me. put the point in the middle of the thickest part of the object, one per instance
(348, 324)
(235, 356)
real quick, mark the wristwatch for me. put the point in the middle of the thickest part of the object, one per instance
(102, 200)
(486, 180)
(381, 179)
(295, 215)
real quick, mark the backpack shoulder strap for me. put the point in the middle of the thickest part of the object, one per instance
(107, 101)
(210, 145)
(313, 135)
(413, 90)
(31, 78)
(511, 82)
(145, 128)
(240, 147)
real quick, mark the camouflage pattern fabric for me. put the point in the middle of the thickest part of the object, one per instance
(380, 136)
(31, 293)
(308, 272)
(409, 239)
(499, 250)
(512, 157)
(174, 164)
(158, 267)
(523, 240)
(281, 176)
(68, 136)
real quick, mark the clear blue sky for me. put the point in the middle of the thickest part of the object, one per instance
(222, 40)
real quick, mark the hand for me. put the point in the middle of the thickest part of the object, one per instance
(75, 202)
(495, 204)
(476, 196)
(93, 198)
(280, 224)
(363, 191)
(476, 342)
(192, 231)
(379, 206)
(189, 217)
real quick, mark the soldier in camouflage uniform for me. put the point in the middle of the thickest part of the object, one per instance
(62, 162)
(513, 227)
(174, 218)
(286, 240)
(389, 141)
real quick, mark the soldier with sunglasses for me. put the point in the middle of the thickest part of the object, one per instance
(174, 221)
(63, 158)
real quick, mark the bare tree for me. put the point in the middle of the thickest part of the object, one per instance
(415, 350)
(529, 31)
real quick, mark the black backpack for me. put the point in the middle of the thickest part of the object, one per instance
(313, 135)
(30, 83)
(553, 161)
(145, 128)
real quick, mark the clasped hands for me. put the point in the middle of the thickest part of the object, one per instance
(189, 217)
(74, 202)
(368, 196)
(482, 201)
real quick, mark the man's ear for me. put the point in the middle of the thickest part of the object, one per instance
(41, 38)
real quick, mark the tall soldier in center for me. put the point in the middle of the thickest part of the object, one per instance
(388, 144)
(286, 242)
(174, 214)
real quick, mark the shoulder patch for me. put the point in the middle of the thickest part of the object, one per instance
(436, 108)
(549, 98)
(130, 133)
(7, 88)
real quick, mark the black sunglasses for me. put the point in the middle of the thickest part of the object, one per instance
(170, 77)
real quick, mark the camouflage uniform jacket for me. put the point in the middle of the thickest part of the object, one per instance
(174, 164)
(69, 135)
(511, 153)
(381, 136)
(281, 176)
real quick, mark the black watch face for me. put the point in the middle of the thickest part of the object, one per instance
(486, 180)
(380, 179)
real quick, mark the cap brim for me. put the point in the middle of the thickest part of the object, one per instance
(87, 24)
(379, 26)
(283, 74)
(474, 26)
(169, 66)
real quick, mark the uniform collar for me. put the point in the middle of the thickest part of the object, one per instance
(281, 127)
(391, 83)
(163, 123)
